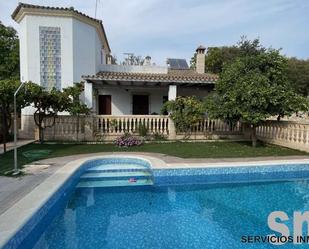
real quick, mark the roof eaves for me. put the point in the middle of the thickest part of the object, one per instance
(69, 10)
(138, 78)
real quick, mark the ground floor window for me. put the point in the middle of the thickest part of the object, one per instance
(140, 104)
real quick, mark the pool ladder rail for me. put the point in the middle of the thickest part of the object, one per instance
(116, 175)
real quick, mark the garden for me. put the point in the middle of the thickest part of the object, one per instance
(214, 149)
(254, 85)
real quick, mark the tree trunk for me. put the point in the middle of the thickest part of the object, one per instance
(41, 134)
(38, 118)
(253, 136)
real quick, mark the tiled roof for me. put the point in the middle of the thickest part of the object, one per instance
(173, 76)
(70, 10)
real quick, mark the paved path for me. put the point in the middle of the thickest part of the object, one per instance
(13, 189)
(10, 145)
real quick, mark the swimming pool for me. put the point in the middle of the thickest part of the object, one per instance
(171, 212)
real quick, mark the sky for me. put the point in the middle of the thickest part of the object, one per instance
(175, 28)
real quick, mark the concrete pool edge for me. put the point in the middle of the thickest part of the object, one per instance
(12, 220)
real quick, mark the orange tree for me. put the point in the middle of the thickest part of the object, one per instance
(254, 87)
(185, 112)
(47, 105)
(7, 90)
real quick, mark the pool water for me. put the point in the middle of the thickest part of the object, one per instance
(203, 216)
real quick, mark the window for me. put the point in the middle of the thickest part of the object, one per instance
(50, 57)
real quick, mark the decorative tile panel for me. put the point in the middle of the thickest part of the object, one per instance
(50, 57)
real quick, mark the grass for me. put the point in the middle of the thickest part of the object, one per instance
(179, 149)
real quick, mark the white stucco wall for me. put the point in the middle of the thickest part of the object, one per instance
(80, 48)
(30, 50)
(23, 50)
(122, 99)
(30, 41)
(80, 52)
(86, 50)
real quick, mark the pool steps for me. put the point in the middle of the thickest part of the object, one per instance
(116, 175)
(114, 183)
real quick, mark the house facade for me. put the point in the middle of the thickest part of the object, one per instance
(140, 90)
(60, 46)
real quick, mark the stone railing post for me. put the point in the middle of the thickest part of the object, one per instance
(171, 129)
(89, 136)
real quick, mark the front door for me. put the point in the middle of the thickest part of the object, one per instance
(140, 104)
(105, 104)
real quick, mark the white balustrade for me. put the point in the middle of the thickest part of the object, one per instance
(286, 133)
(90, 128)
(215, 125)
(115, 125)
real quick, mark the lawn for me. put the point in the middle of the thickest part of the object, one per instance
(179, 149)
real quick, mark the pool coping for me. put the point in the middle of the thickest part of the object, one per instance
(13, 219)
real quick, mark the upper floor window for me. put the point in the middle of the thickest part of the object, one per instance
(50, 57)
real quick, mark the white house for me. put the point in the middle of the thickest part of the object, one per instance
(57, 47)
(60, 46)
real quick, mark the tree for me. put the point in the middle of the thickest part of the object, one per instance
(253, 88)
(217, 57)
(9, 50)
(298, 75)
(76, 107)
(185, 112)
(193, 61)
(7, 90)
(47, 104)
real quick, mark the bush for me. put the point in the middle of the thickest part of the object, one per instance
(127, 140)
(142, 130)
(158, 137)
(185, 112)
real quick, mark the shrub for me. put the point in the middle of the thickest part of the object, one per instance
(185, 112)
(158, 136)
(142, 130)
(127, 140)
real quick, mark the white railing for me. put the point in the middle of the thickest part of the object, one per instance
(107, 127)
(285, 133)
(65, 124)
(115, 125)
(216, 125)
(65, 128)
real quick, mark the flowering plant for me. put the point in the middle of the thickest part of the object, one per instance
(127, 140)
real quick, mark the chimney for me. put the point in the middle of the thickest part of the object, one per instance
(147, 61)
(109, 59)
(200, 59)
